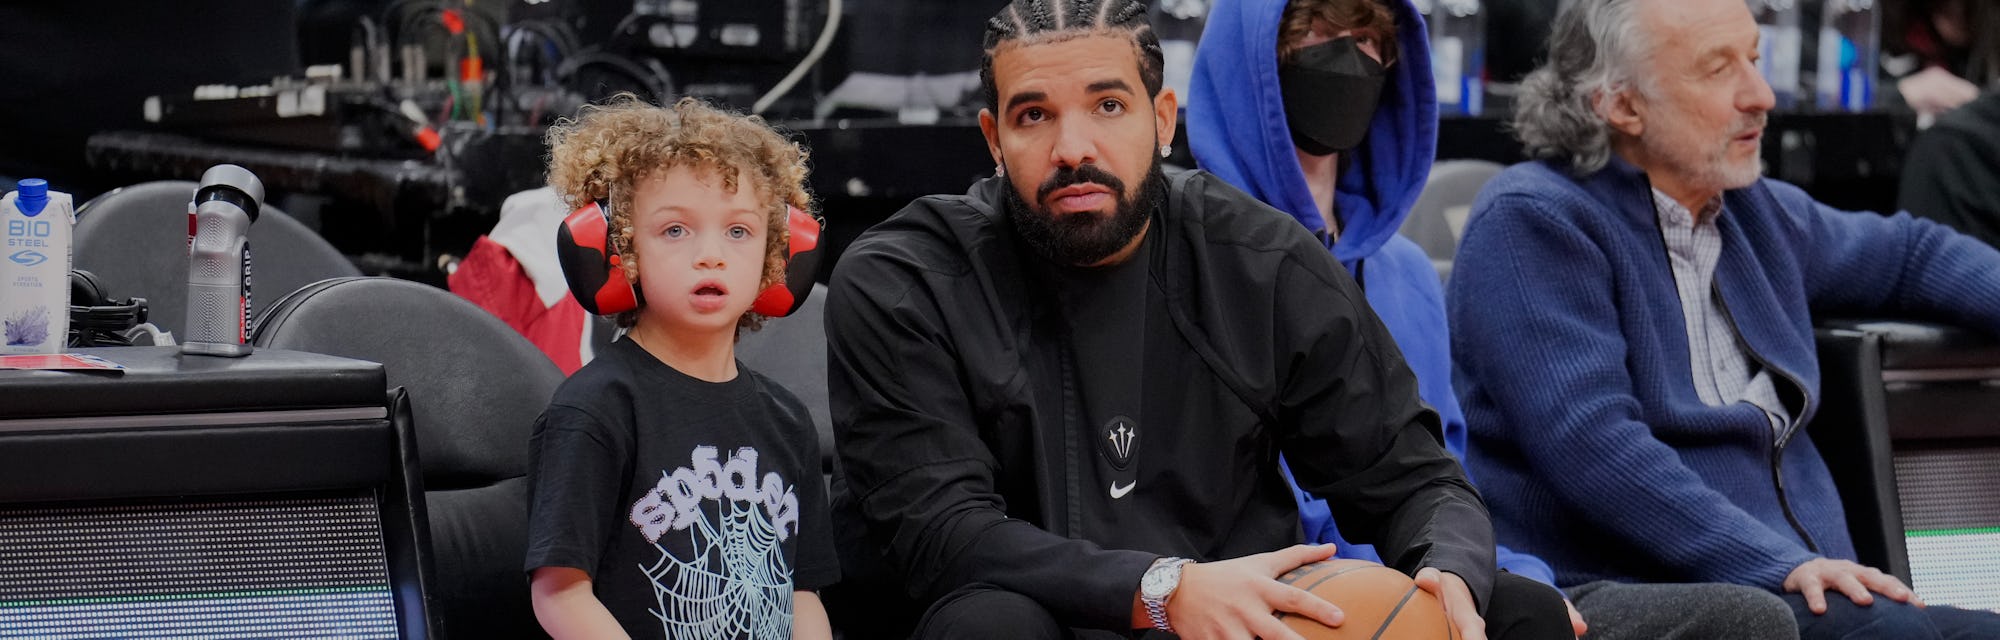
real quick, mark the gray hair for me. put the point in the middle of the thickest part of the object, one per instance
(1592, 48)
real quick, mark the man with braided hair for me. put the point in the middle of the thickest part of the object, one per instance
(1060, 398)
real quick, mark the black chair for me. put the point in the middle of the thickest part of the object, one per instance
(135, 240)
(1438, 218)
(869, 601)
(476, 388)
(1852, 434)
(792, 352)
(1907, 423)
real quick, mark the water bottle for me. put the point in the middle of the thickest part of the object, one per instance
(1780, 47)
(218, 320)
(1458, 54)
(1178, 24)
(1849, 45)
(34, 274)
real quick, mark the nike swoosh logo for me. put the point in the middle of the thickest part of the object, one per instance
(1119, 492)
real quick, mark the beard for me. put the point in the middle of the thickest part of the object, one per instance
(1085, 238)
(1710, 167)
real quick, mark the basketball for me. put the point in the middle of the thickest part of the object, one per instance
(1380, 602)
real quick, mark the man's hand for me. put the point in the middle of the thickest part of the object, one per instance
(1934, 91)
(1576, 619)
(1234, 599)
(1816, 576)
(1458, 605)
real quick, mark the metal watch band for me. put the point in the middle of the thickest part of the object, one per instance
(1156, 610)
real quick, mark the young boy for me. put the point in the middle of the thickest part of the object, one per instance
(674, 493)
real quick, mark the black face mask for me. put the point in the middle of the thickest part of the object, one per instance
(1330, 90)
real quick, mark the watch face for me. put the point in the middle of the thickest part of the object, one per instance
(1157, 582)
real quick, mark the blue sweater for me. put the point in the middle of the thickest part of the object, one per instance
(1590, 444)
(1237, 130)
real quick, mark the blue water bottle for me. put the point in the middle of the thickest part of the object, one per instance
(1849, 48)
(1458, 54)
(1779, 48)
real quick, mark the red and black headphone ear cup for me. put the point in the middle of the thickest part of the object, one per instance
(591, 266)
(801, 267)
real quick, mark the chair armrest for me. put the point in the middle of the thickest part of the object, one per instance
(1851, 430)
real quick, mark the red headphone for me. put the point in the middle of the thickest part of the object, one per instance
(596, 273)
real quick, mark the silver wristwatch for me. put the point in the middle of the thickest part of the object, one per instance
(1157, 586)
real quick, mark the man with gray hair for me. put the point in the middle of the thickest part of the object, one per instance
(1632, 317)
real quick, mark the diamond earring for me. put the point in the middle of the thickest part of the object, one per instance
(1166, 150)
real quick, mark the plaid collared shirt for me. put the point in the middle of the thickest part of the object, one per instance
(1723, 372)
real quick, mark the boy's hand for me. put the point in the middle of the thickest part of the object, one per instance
(567, 608)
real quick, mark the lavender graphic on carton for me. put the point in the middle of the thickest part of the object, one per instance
(30, 327)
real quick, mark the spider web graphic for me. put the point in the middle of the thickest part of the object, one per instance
(736, 584)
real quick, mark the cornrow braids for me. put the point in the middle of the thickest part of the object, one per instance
(1050, 21)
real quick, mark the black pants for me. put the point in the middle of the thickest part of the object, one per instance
(1522, 609)
(1887, 618)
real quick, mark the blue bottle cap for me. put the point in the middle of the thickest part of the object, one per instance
(34, 194)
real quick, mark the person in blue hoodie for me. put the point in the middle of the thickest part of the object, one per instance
(1325, 109)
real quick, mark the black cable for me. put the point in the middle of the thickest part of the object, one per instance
(652, 76)
(398, 14)
(97, 320)
(564, 36)
(547, 52)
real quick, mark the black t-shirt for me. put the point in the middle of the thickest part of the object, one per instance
(1104, 313)
(697, 508)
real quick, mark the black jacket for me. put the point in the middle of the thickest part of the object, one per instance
(1952, 171)
(953, 403)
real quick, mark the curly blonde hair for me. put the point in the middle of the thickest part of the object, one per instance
(1370, 18)
(607, 150)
